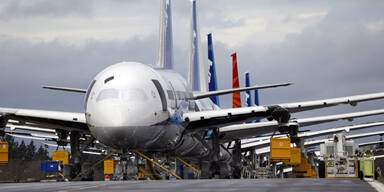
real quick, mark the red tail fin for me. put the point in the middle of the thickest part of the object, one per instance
(236, 99)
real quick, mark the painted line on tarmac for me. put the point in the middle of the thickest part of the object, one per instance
(377, 185)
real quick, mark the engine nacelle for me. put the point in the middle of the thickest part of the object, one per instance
(291, 128)
(190, 146)
(279, 114)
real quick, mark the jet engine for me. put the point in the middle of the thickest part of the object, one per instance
(190, 146)
(279, 114)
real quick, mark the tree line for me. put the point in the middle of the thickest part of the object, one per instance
(25, 152)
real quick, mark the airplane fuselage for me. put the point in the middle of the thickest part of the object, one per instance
(132, 105)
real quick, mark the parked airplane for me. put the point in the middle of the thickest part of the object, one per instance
(131, 105)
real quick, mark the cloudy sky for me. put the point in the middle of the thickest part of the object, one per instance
(327, 48)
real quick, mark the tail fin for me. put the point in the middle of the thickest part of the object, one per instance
(212, 82)
(248, 96)
(196, 69)
(165, 52)
(236, 99)
(257, 101)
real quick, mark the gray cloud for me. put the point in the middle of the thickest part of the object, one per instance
(26, 66)
(24, 8)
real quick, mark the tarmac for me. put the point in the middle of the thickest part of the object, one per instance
(262, 185)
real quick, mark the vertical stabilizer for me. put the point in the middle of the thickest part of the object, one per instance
(257, 101)
(248, 96)
(236, 99)
(165, 55)
(212, 81)
(196, 68)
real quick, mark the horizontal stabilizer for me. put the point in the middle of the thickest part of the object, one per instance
(66, 89)
(228, 91)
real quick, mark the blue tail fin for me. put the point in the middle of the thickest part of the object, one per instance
(248, 96)
(257, 102)
(212, 82)
(165, 52)
(196, 68)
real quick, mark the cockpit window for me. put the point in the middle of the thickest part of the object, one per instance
(134, 95)
(108, 79)
(108, 94)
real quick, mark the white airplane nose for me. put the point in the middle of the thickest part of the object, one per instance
(124, 104)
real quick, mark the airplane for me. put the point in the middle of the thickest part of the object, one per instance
(131, 105)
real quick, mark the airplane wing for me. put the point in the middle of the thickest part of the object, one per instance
(263, 143)
(32, 136)
(228, 91)
(281, 112)
(65, 89)
(247, 130)
(356, 136)
(309, 105)
(318, 142)
(371, 143)
(44, 119)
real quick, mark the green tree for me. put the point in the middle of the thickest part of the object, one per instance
(42, 153)
(21, 150)
(30, 151)
(12, 146)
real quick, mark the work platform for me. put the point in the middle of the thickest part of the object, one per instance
(221, 185)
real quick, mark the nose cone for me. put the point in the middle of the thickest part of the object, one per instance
(128, 101)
